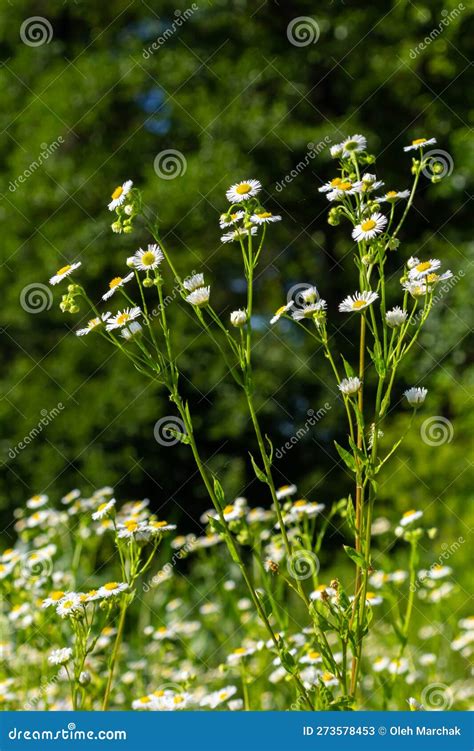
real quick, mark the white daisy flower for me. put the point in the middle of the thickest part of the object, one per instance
(242, 191)
(369, 228)
(380, 663)
(398, 667)
(104, 509)
(228, 220)
(322, 593)
(419, 143)
(238, 318)
(60, 656)
(129, 332)
(53, 599)
(285, 491)
(112, 588)
(309, 311)
(281, 311)
(311, 658)
(144, 260)
(193, 282)
(91, 596)
(155, 528)
(328, 679)
(310, 294)
(410, 516)
(236, 705)
(238, 234)
(357, 301)
(412, 262)
(264, 217)
(116, 283)
(122, 318)
(238, 654)
(395, 317)
(129, 528)
(437, 571)
(91, 326)
(416, 289)
(421, 270)
(349, 386)
(336, 150)
(199, 297)
(372, 599)
(63, 272)
(37, 519)
(331, 185)
(119, 194)
(414, 705)
(304, 508)
(344, 188)
(69, 604)
(232, 512)
(36, 501)
(415, 396)
(217, 697)
(353, 145)
(369, 182)
(392, 195)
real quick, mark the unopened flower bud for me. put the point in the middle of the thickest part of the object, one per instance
(128, 209)
(85, 678)
(238, 318)
(147, 282)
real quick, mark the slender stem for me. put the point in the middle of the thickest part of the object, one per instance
(118, 642)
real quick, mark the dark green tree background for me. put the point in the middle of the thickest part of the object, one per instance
(228, 90)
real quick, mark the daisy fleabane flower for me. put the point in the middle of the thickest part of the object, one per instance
(119, 194)
(419, 143)
(193, 282)
(312, 310)
(349, 386)
(369, 228)
(69, 604)
(63, 272)
(93, 324)
(244, 190)
(115, 284)
(199, 296)
(392, 195)
(421, 269)
(357, 301)
(112, 588)
(410, 516)
(104, 509)
(281, 311)
(238, 318)
(227, 220)
(415, 396)
(264, 217)
(395, 317)
(122, 318)
(60, 656)
(238, 234)
(144, 260)
(353, 145)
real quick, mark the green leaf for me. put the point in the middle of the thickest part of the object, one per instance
(270, 455)
(354, 555)
(350, 373)
(181, 437)
(258, 472)
(350, 514)
(347, 458)
(219, 491)
(287, 660)
(216, 525)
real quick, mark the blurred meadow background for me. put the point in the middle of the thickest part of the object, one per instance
(225, 87)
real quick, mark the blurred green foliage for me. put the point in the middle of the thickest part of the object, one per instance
(230, 92)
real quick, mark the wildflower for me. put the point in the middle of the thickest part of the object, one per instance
(349, 386)
(122, 318)
(281, 311)
(119, 194)
(369, 228)
(419, 143)
(112, 588)
(395, 317)
(238, 654)
(437, 571)
(410, 516)
(336, 150)
(69, 604)
(91, 326)
(238, 318)
(344, 187)
(104, 509)
(312, 658)
(323, 592)
(238, 234)
(302, 508)
(369, 182)
(37, 519)
(415, 396)
(357, 301)
(129, 332)
(144, 260)
(415, 288)
(154, 528)
(285, 490)
(242, 191)
(328, 679)
(63, 272)
(381, 663)
(422, 269)
(393, 195)
(53, 599)
(227, 220)
(398, 666)
(193, 282)
(218, 697)
(353, 145)
(116, 284)
(36, 501)
(232, 512)
(414, 705)
(310, 295)
(60, 656)
(264, 217)
(199, 297)
(372, 599)
(313, 310)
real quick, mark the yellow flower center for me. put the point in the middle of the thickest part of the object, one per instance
(358, 304)
(314, 655)
(8, 551)
(131, 526)
(223, 695)
(158, 525)
(370, 595)
(240, 651)
(93, 323)
(102, 506)
(280, 310)
(144, 700)
(117, 193)
(346, 185)
(92, 593)
(68, 604)
(368, 225)
(423, 266)
(148, 258)
(264, 214)
(36, 516)
(56, 595)
(327, 676)
(159, 693)
(63, 270)
(336, 182)
(432, 278)
(391, 194)
(243, 189)
(228, 509)
(409, 513)
(300, 503)
(115, 282)
(321, 588)
(123, 318)
(418, 141)
(111, 586)
(178, 700)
